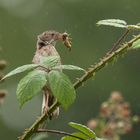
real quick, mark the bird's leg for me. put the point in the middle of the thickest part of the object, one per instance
(46, 106)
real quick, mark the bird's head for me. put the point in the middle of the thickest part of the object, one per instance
(50, 37)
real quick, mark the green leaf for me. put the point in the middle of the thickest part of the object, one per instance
(50, 61)
(69, 138)
(134, 27)
(78, 134)
(20, 69)
(84, 129)
(62, 88)
(113, 22)
(136, 45)
(30, 85)
(68, 67)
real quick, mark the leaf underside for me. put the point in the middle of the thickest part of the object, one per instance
(113, 22)
(20, 70)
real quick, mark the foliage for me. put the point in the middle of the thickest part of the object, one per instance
(62, 88)
(136, 45)
(51, 62)
(49, 72)
(83, 129)
(42, 74)
(84, 132)
(21, 69)
(118, 23)
(30, 85)
(113, 22)
(67, 67)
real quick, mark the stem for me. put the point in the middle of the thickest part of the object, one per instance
(119, 41)
(105, 60)
(102, 63)
(58, 132)
(29, 132)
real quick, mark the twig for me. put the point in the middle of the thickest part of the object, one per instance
(105, 61)
(119, 41)
(29, 132)
(102, 63)
(58, 132)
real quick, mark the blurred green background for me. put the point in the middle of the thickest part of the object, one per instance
(20, 23)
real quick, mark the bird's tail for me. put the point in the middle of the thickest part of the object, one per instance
(48, 100)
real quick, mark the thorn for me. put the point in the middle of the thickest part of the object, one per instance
(78, 79)
(83, 84)
(37, 117)
(26, 129)
(100, 59)
(89, 69)
(134, 36)
(93, 74)
(106, 64)
(3, 64)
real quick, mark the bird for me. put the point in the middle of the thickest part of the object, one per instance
(45, 47)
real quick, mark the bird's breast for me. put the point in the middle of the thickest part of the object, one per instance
(44, 51)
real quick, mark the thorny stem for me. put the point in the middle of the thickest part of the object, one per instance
(102, 63)
(58, 132)
(29, 132)
(105, 60)
(119, 41)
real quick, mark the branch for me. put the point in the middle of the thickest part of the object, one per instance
(29, 132)
(104, 61)
(90, 72)
(58, 132)
(119, 40)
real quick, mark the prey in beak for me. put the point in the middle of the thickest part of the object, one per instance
(67, 41)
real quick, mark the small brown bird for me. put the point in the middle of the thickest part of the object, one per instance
(46, 47)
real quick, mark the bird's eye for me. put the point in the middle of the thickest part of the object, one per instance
(64, 36)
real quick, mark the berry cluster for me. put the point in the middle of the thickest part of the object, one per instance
(114, 119)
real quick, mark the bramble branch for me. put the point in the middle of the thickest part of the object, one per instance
(104, 61)
(127, 31)
(89, 73)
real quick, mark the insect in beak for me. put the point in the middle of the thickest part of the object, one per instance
(67, 41)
